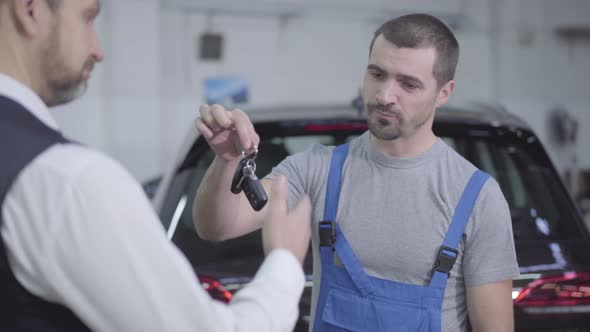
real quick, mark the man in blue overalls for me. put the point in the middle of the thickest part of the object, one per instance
(409, 236)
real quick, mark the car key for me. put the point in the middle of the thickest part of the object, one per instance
(245, 179)
(236, 184)
(253, 188)
(238, 179)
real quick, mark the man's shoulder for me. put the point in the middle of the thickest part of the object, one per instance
(73, 176)
(455, 159)
(318, 149)
(455, 171)
(464, 170)
(313, 155)
(322, 150)
(68, 163)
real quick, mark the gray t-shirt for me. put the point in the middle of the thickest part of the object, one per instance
(395, 213)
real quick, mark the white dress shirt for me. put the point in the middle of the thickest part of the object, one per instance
(79, 231)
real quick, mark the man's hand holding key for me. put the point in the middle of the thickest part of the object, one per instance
(228, 133)
(232, 137)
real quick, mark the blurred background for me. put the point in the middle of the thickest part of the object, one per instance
(166, 57)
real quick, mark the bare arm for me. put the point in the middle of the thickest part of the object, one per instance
(490, 306)
(218, 214)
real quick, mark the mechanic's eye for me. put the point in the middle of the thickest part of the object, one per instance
(409, 86)
(377, 75)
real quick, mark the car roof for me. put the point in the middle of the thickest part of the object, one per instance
(477, 114)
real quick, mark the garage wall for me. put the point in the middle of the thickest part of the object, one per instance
(540, 71)
(317, 58)
(120, 114)
(144, 98)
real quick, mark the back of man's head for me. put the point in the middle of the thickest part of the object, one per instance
(424, 31)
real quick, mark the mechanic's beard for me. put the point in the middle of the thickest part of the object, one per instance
(382, 128)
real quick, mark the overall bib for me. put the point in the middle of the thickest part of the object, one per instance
(351, 300)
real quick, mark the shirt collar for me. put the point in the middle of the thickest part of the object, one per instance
(15, 90)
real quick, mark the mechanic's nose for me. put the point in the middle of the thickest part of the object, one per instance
(386, 95)
(97, 51)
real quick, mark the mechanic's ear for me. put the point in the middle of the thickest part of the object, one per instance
(31, 16)
(445, 93)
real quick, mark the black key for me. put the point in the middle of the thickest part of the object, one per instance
(254, 192)
(236, 183)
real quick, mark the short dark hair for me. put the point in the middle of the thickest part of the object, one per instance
(423, 30)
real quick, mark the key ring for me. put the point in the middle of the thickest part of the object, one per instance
(253, 155)
(251, 165)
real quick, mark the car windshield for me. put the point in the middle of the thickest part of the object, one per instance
(539, 205)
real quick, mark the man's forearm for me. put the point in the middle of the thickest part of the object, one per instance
(215, 207)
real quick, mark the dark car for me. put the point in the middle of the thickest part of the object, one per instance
(552, 243)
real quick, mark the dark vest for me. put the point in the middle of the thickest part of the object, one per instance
(22, 138)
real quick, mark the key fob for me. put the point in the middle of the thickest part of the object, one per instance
(254, 192)
(236, 183)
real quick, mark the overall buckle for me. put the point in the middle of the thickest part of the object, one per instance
(327, 232)
(445, 259)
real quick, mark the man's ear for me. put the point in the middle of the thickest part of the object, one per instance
(445, 93)
(30, 16)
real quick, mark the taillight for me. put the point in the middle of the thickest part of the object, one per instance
(215, 289)
(333, 127)
(564, 295)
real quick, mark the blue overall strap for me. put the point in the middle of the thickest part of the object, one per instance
(331, 205)
(351, 264)
(448, 252)
(334, 181)
(343, 249)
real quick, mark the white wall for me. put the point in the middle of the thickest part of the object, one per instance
(134, 88)
(316, 58)
(84, 119)
(120, 114)
(145, 96)
(540, 71)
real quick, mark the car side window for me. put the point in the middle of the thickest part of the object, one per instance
(532, 191)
